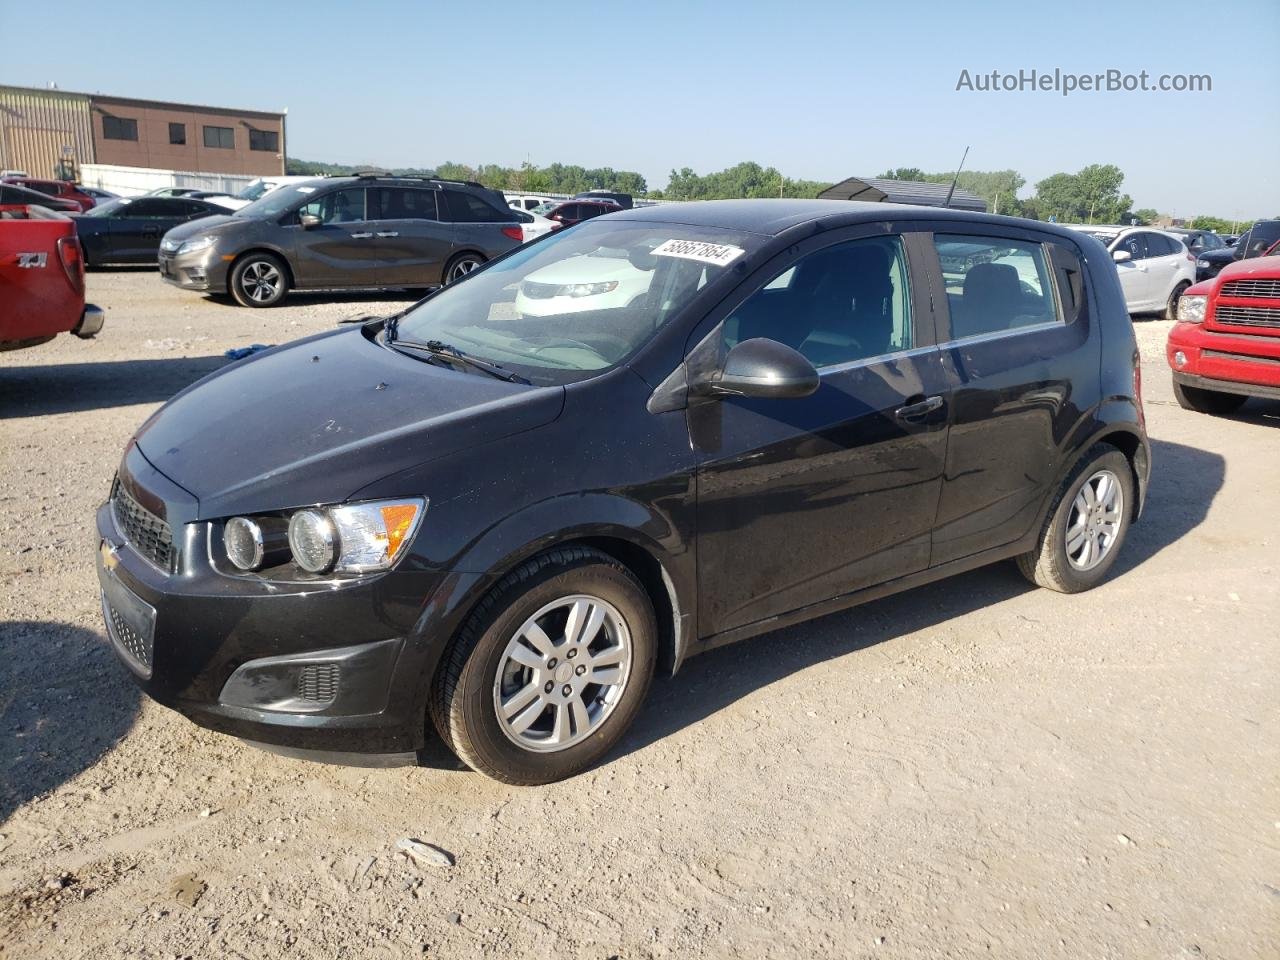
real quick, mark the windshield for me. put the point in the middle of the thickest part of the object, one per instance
(580, 302)
(254, 190)
(272, 202)
(542, 208)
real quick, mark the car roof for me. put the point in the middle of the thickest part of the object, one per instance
(773, 217)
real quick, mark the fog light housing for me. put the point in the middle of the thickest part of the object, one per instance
(313, 541)
(1179, 359)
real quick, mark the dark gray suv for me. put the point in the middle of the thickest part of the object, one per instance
(361, 232)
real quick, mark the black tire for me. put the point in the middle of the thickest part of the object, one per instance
(462, 700)
(460, 266)
(1049, 564)
(259, 280)
(1206, 401)
(1171, 308)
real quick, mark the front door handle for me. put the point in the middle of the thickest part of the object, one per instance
(361, 236)
(389, 233)
(917, 411)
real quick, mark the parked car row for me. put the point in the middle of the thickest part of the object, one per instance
(1155, 266)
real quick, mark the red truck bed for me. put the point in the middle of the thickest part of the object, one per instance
(41, 279)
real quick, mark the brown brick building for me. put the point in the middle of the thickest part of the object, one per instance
(52, 132)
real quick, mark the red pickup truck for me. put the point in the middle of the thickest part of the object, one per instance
(1225, 346)
(41, 279)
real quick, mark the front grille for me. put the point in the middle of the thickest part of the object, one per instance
(1261, 289)
(539, 291)
(1248, 316)
(318, 682)
(143, 530)
(137, 644)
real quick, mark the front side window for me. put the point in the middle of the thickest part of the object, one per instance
(177, 134)
(268, 140)
(838, 305)
(119, 128)
(340, 206)
(581, 301)
(220, 138)
(995, 284)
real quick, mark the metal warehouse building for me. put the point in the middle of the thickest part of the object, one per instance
(52, 133)
(903, 191)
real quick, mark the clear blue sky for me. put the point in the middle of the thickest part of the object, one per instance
(820, 90)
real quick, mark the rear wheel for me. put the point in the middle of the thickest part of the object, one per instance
(1171, 309)
(259, 280)
(1084, 531)
(550, 670)
(1206, 401)
(461, 265)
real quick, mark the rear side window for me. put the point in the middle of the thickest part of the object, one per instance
(995, 284)
(468, 208)
(405, 203)
(1158, 245)
(50, 188)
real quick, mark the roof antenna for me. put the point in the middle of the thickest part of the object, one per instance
(947, 202)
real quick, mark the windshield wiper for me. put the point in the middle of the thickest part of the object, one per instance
(438, 348)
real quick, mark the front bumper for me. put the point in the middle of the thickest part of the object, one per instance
(333, 666)
(1246, 364)
(205, 270)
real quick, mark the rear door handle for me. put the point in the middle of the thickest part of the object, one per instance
(389, 233)
(361, 236)
(916, 411)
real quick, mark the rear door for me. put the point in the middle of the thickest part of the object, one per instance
(802, 500)
(341, 251)
(414, 241)
(1023, 367)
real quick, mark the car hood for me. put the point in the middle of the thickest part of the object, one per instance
(315, 420)
(217, 224)
(586, 270)
(1263, 268)
(1222, 255)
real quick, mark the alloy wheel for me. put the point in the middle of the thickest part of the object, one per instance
(260, 281)
(562, 673)
(462, 268)
(1096, 517)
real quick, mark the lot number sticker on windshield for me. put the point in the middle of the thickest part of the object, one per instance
(717, 254)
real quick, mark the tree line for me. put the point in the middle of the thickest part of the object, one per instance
(1090, 195)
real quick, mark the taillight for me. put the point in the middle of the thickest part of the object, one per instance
(515, 233)
(72, 257)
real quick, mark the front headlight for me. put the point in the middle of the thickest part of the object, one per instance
(353, 537)
(196, 245)
(1191, 309)
(589, 289)
(1202, 264)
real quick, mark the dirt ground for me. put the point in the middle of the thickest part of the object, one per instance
(973, 768)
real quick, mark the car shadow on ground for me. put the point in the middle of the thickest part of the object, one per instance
(1184, 484)
(32, 391)
(64, 702)
(1261, 412)
(302, 298)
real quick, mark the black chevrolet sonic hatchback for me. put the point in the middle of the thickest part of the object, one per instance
(646, 436)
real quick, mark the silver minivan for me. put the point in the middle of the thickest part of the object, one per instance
(330, 233)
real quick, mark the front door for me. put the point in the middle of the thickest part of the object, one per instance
(802, 500)
(1135, 276)
(341, 251)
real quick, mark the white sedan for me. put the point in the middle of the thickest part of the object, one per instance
(1155, 267)
(579, 284)
(533, 224)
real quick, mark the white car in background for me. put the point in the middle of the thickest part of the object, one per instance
(1155, 267)
(256, 188)
(532, 224)
(592, 282)
(518, 201)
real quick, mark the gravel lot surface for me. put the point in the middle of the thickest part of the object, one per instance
(973, 768)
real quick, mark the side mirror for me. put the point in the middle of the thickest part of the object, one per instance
(309, 221)
(1121, 256)
(763, 368)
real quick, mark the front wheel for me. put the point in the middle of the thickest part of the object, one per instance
(1206, 401)
(461, 265)
(259, 280)
(1084, 531)
(550, 670)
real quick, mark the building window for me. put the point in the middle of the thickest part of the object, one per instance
(221, 137)
(178, 133)
(119, 128)
(267, 140)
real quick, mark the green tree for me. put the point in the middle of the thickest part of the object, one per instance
(1090, 196)
(905, 173)
(1146, 214)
